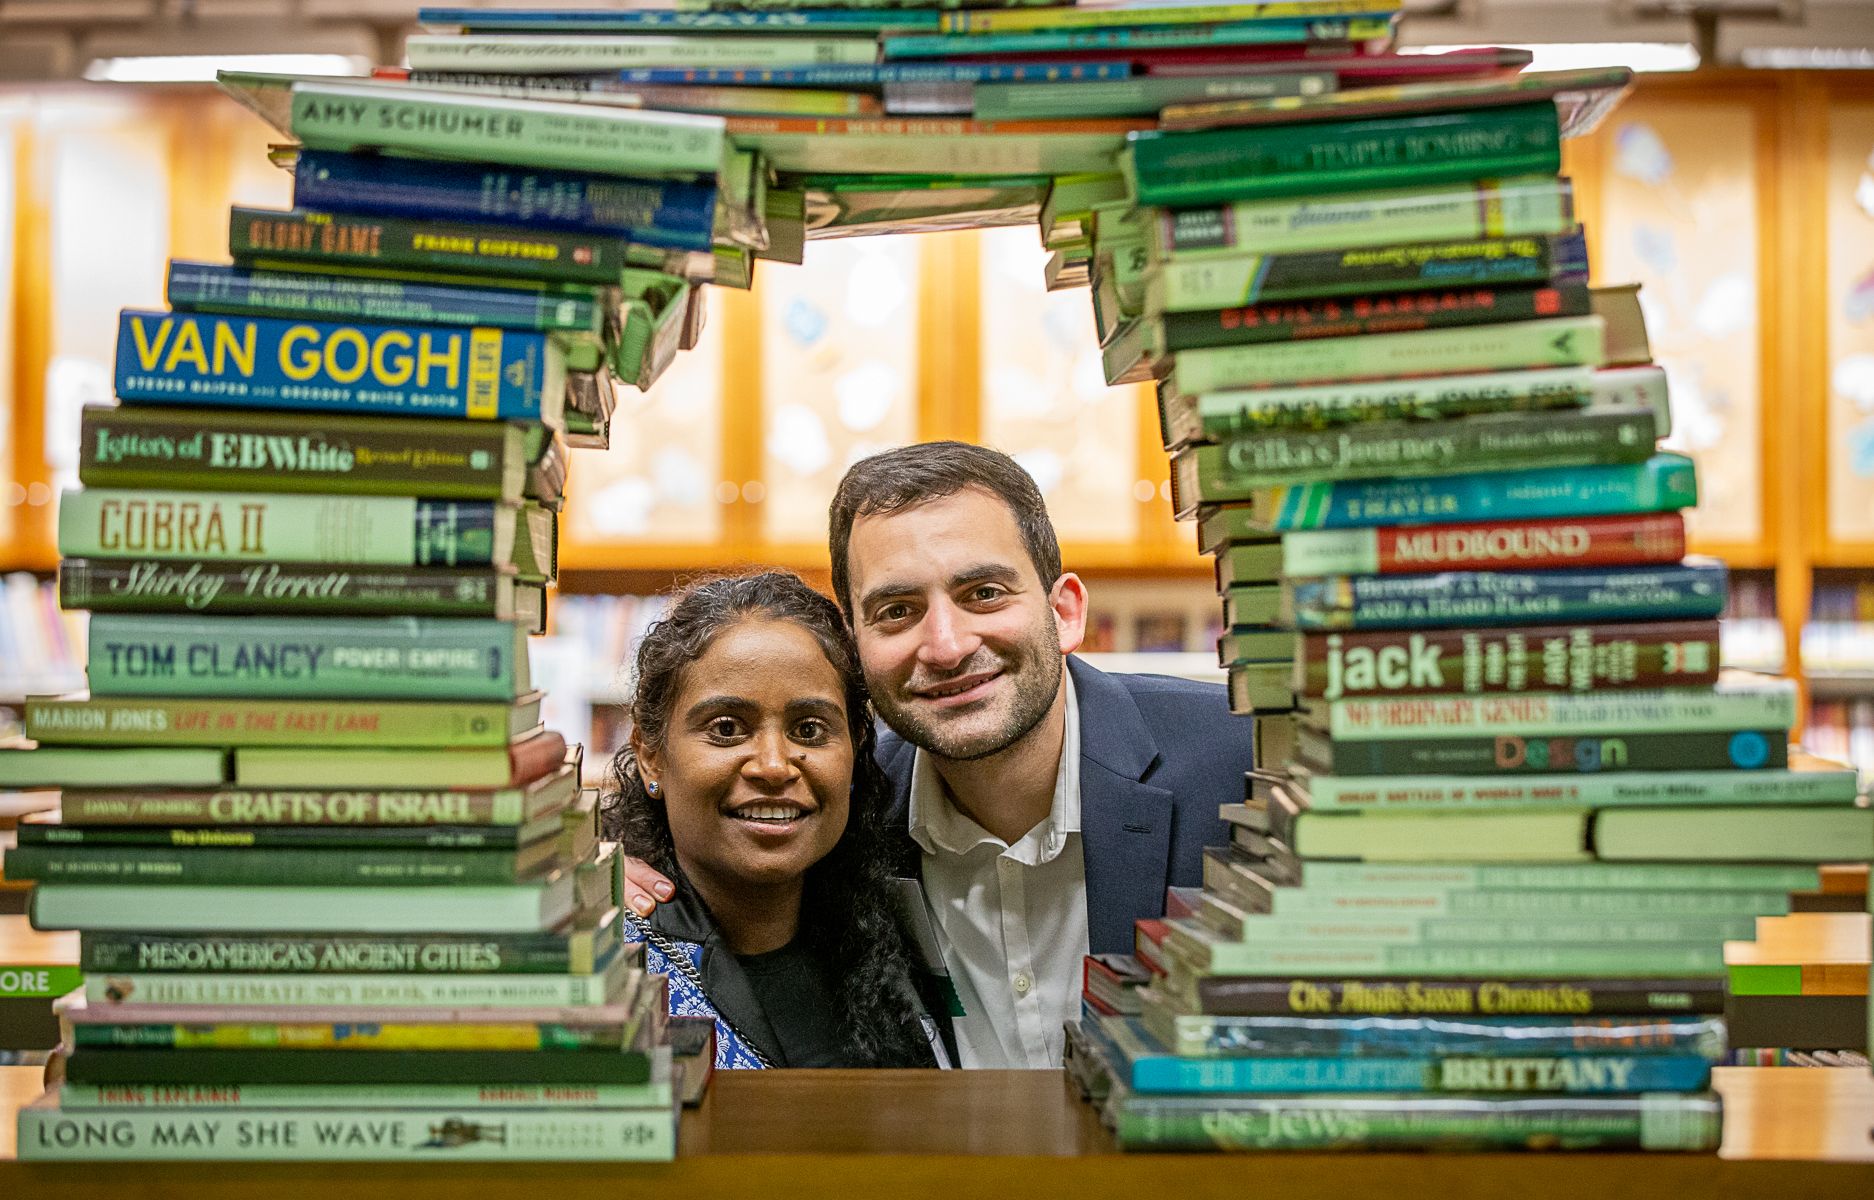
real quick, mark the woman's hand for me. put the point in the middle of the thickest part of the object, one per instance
(645, 888)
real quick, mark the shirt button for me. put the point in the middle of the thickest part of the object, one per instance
(1023, 983)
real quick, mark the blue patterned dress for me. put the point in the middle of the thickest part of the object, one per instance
(688, 1000)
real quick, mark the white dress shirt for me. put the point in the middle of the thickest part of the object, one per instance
(1012, 918)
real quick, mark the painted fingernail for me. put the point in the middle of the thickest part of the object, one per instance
(642, 906)
(664, 890)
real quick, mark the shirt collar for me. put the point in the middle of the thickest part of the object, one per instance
(938, 827)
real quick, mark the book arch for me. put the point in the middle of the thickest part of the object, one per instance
(1505, 810)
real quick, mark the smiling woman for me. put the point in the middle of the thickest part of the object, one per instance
(749, 781)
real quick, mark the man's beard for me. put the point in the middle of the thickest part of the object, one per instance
(1035, 671)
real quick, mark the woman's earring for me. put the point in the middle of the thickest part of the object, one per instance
(651, 787)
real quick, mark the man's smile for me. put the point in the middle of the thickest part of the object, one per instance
(965, 689)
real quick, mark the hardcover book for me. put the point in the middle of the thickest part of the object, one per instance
(135, 447)
(219, 361)
(398, 658)
(1690, 591)
(268, 588)
(1663, 482)
(1215, 166)
(1313, 463)
(664, 213)
(262, 528)
(177, 721)
(1539, 658)
(146, 805)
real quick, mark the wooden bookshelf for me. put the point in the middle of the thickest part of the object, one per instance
(773, 1135)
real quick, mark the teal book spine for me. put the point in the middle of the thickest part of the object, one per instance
(1216, 166)
(264, 292)
(1663, 483)
(401, 658)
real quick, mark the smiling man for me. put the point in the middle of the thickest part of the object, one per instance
(1050, 803)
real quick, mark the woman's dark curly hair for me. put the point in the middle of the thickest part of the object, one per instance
(846, 918)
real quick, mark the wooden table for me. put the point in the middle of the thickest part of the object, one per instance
(769, 1135)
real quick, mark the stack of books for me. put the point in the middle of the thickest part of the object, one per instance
(842, 120)
(334, 878)
(1507, 810)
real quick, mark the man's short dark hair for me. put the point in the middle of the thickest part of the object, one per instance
(896, 479)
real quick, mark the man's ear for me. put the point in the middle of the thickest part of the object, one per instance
(649, 764)
(1068, 599)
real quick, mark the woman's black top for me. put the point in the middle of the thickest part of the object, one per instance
(801, 1010)
(781, 1002)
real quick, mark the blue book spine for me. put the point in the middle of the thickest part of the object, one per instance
(1583, 1074)
(1682, 592)
(665, 213)
(218, 287)
(392, 658)
(880, 75)
(1663, 483)
(586, 20)
(1138, 37)
(1445, 1037)
(325, 366)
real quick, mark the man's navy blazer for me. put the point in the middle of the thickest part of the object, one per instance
(1157, 756)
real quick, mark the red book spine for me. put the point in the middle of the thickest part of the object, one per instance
(1620, 541)
(534, 756)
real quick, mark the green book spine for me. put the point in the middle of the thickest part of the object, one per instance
(576, 315)
(1140, 95)
(1498, 208)
(1413, 930)
(1204, 285)
(303, 452)
(291, 909)
(1617, 789)
(409, 658)
(94, 1066)
(1218, 416)
(537, 54)
(362, 1134)
(1681, 709)
(287, 867)
(90, 766)
(542, 133)
(1657, 1121)
(1597, 877)
(1238, 468)
(231, 588)
(32, 981)
(175, 721)
(321, 954)
(239, 806)
(146, 1098)
(1505, 753)
(378, 1038)
(388, 991)
(1316, 902)
(350, 239)
(1552, 342)
(1640, 958)
(264, 528)
(1490, 995)
(1184, 169)
(104, 839)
